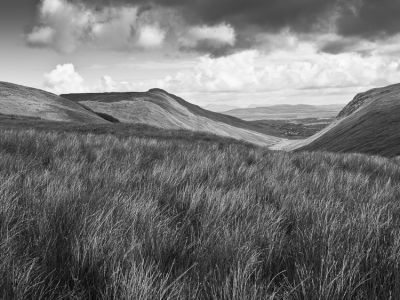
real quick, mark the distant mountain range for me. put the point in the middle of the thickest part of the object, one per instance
(370, 123)
(276, 112)
(219, 107)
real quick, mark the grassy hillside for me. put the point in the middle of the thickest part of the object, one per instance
(119, 130)
(86, 216)
(19, 100)
(369, 124)
(161, 109)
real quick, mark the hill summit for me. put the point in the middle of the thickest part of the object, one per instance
(159, 108)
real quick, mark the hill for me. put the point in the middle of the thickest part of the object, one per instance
(19, 100)
(161, 109)
(277, 112)
(370, 124)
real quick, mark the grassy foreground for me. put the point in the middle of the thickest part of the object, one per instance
(99, 217)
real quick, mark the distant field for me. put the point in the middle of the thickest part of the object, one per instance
(293, 129)
(88, 216)
(286, 112)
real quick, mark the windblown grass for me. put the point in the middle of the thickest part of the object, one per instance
(87, 216)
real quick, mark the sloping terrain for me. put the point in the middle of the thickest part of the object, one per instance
(19, 100)
(368, 124)
(87, 216)
(277, 112)
(161, 109)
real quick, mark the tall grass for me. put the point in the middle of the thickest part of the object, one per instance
(99, 217)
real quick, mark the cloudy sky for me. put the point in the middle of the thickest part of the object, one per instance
(220, 52)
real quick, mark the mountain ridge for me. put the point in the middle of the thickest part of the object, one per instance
(159, 108)
(25, 101)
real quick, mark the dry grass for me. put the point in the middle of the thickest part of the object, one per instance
(99, 217)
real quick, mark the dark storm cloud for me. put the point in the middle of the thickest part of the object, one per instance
(298, 15)
(248, 17)
(338, 46)
(365, 19)
(369, 18)
(358, 18)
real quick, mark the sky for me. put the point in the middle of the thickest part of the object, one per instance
(227, 53)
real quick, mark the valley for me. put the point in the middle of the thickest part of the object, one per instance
(146, 196)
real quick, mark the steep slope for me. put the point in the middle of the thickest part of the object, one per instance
(276, 112)
(161, 109)
(19, 100)
(368, 124)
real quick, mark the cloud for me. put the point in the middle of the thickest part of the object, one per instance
(359, 19)
(300, 74)
(222, 34)
(300, 15)
(369, 18)
(64, 79)
(151, 37)
(64, 26)
(211, 39)
(107, 84)
(352, 17)
(254, 71)
(113, 27)
(41, 36)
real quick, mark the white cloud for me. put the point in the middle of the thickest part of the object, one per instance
(218, 36)
(254, 71)
(65, 26)
(64, 79)
(294, 75)
(41, 36)
(51, 6)
(151, 37)
(107, 84)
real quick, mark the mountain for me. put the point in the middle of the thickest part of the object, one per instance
(19, 100)
(276, 112)
(370, 124)
(160, 109)
(219, 107)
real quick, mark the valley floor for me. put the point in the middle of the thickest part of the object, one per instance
(158, 216)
